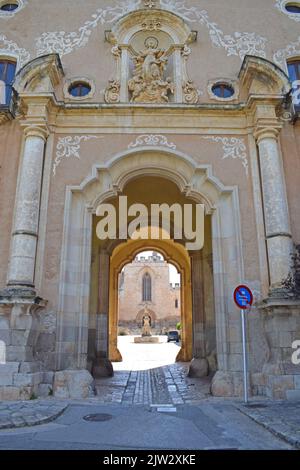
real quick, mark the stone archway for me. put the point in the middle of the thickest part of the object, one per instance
(106, 182)
(172, 252)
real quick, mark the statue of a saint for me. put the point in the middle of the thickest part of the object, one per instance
(148, 84)
(146, 330)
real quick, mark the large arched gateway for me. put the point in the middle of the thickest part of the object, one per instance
(129, 106)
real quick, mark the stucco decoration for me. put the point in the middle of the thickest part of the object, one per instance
(9, 14)
(237, 44)
(281, 4)
(291, 50)
(63, 43)
(11, 49)
(233, 147)
(68, 147)
(151, 139)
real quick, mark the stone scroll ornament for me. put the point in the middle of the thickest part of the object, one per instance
(236, 44)
(148, 84)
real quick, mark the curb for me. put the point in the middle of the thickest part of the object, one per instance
(24, 422)
(257, 418)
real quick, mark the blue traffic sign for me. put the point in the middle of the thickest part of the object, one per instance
(243, 297)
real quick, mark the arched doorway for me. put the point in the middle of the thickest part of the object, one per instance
(80, 315)
(171, 251)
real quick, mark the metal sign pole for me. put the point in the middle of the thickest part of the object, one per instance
(245, 362)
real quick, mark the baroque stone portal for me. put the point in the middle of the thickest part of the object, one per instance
(148, 84)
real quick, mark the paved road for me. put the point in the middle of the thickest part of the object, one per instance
(208, 426)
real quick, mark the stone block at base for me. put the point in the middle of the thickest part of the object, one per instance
(146, 340)
(198, 368)
(102, 368)
(222, 385)
(73, 384)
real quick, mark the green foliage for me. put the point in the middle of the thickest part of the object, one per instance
(178, 326)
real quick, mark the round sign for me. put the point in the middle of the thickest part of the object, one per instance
(243, 297)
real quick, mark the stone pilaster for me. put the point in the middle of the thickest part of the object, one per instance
(102, 366)
(276, 213)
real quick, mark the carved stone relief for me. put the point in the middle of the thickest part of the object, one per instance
(148, 84)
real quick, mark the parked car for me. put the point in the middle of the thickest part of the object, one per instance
(173, 336)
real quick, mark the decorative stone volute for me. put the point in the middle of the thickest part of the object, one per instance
(41, 75)
(260, 77)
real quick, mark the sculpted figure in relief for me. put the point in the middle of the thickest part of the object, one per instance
(148, 84)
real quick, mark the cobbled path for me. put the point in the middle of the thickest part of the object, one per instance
(162, 385)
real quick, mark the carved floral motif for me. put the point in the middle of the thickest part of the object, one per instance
(150, 3)
(152, 140)
(69, 147)
(11, 48)
(151, 25)
(233, 147)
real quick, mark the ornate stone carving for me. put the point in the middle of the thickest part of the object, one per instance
(112, 92)
(281, 4)
(291, 50)
(152, 140)
(12, 49)
(69, 147)
(151, 25)
(148, 84)
(190, 92)
(233, 148)
(150, 3)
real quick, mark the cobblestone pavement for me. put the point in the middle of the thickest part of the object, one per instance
(163, 385)
(148, 375)
(21, 414)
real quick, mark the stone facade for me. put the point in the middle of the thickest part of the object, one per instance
(165, 304)
(150, 128)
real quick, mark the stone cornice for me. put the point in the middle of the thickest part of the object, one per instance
(234, 118)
